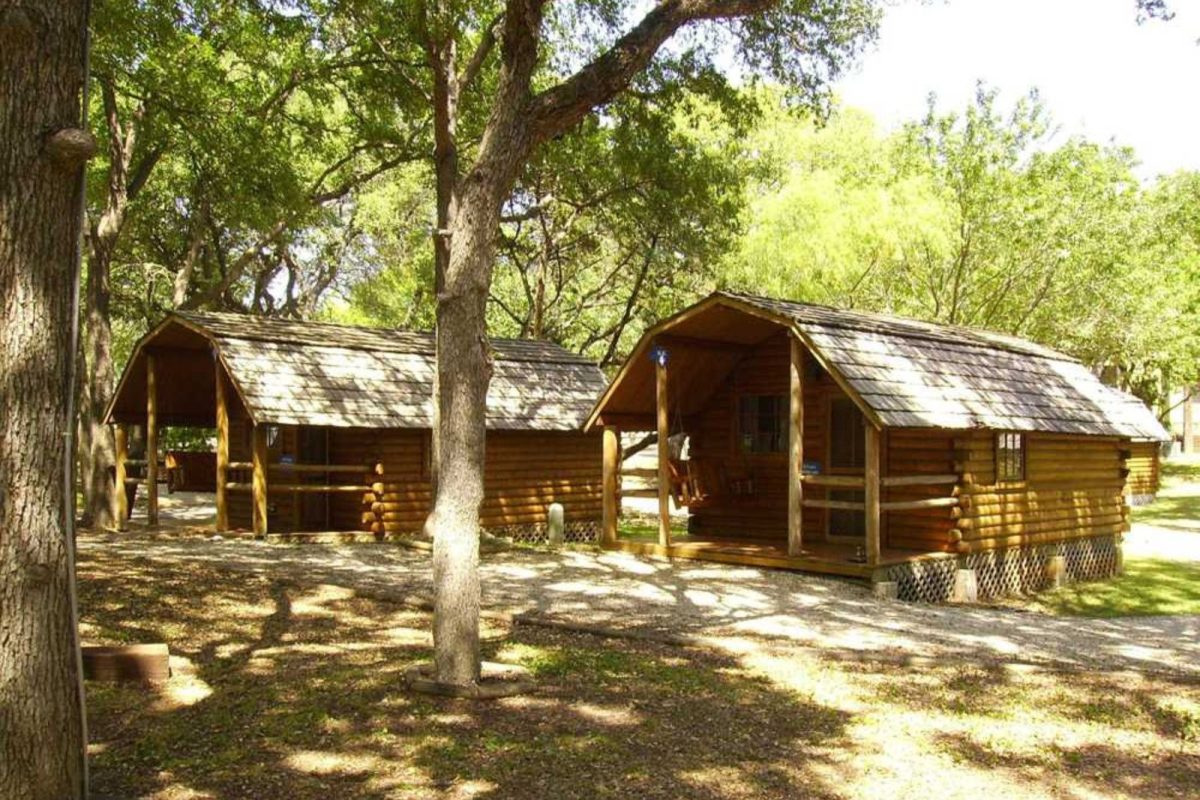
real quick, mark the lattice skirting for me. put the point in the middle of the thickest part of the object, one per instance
(1016, 570)
(924, 581)
(1141, 499)
(587, 531)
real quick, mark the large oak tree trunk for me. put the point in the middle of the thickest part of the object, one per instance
(41, 75)
(464, 371)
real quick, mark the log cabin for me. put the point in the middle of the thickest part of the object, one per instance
(937, 462)
(324, 430)
(1145, 453)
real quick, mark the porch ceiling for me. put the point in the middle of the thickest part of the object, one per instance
(703, 348)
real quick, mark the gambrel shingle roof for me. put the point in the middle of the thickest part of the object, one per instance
(310, 373)
(910, 374)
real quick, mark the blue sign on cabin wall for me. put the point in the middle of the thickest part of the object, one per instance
(811, 468)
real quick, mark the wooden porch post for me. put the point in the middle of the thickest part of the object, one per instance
(121, 435)
(664, 453)
(871, 493)
(151, 441)
(612, 472)
(796, 449)
(259, 499)
(222, 451)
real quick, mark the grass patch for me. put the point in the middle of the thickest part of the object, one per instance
(644, 531)
(1149, 587)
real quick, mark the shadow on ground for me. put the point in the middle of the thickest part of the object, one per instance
(286, 691)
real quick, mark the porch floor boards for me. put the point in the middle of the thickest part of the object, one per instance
(820, 557)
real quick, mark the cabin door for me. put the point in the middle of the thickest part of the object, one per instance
(847, 456)
(314, 506)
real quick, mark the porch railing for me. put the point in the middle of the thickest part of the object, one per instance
(858, 482)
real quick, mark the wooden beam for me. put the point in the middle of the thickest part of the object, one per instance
(222, 451)
(912, 505)
(627, 422)
(920, 480)
(871, 494)
(259, 500)
(664, 453)
(612, 475)
(839, 481)
(796, 448)
(151, 441)
(121, 436)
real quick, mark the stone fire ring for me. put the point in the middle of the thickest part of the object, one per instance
(496, 681)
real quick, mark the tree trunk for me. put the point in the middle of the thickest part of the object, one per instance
(97, 444)
(99, 457)
(464, 370)
(41, 75)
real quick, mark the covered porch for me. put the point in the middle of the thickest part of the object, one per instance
(776, 460)
(265, 478)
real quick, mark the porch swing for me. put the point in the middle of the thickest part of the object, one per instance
(695, 483)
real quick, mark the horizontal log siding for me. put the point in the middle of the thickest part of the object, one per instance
(1143, 466)
(918, 452)
(525, 472)
(1073, 488)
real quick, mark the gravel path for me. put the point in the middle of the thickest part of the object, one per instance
(723, 602)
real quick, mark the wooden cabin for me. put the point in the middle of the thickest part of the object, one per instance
(326, 428)
(935, 461)
(1145, 453)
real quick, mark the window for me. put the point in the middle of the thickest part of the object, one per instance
(1010, 456)
(847, 435)
(762, 423)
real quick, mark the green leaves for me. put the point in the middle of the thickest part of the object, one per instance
(981, 218)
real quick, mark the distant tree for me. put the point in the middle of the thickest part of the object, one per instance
(232, 142)
(42, 152)
(620, 221)
(983, 218)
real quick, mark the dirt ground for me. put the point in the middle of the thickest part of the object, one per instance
(717, 602)
(288, 686)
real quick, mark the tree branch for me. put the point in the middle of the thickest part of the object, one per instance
(561, 107)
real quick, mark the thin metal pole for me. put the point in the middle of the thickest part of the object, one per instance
(71, 422)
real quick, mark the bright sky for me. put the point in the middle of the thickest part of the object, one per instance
(1100, 73)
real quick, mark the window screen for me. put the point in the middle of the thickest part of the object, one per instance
(847, 435)
(1010, 456)
(762, 423)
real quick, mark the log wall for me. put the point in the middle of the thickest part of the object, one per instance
(913, 452)
(1073, 489)
(525, 472)
(1144, 469)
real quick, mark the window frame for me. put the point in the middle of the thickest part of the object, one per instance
(781, 417)
(1011, 461)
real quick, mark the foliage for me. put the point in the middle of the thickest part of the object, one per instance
(247, 135)
(982, 218)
